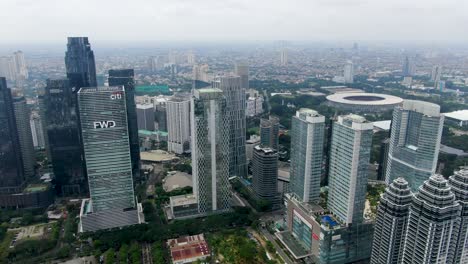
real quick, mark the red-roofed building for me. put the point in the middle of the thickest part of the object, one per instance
(188, 249)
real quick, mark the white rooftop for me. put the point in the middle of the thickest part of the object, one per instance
(461, 115)
(383, 125)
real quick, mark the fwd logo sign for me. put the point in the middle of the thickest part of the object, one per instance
(104, 124)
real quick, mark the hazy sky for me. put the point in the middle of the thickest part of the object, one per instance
(51, 21)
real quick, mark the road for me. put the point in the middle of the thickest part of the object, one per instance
(146, 253)
(280, 251)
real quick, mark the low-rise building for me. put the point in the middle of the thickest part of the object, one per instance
(188, 249)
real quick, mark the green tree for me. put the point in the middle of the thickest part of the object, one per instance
(109, 256)
(123, 253)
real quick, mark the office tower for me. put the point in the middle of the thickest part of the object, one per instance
(145, 115)
(7, 68)
(349, 72)
(210, 150)
(80, 64)
(24, 134)
(383, 159)
(390, 225)
(191, 58)
(433, 224)
(235, 103)
(414, 142)
(284, 57)
(407, 67)
(242, 70)
(265, 176)
(178, 123)
(436, 73)
(160, 116)
(348, 169)
(11, 163)
(307, 138)
(125, 77)
(200, 77)
(104, 130)
(21, 69)
(37, 131)
(459, 184)
(269, 132)
(64, 140)
(43, 118)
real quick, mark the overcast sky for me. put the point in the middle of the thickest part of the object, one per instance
(135, 21)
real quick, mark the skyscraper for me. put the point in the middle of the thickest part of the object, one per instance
(104, 130)
(407, 67)
(235, 104)
(242, 70)
(459, 184)
(125, 77)
(284, 57)
(269, 132)
(178, 124)
(436, 73)
(433, 224)
(11, 163)
(265, 175)
(349, 161)
(145, 116)
(37, 131)
(61, 124)
(210, 150)
(349, 72)
(24, 134)
(307, 138)
(200, 77)
(80, 64)
(390, 226)
(414, 142)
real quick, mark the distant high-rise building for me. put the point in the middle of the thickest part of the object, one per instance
(459, 184)
(307, 139)
(11, 162)
(433, 224)
(242, 70)
(414, 142)
(349, 72)
(265, 175)
(37, 131)
(200, 77)
(391, 221)
(160, 116)
(7, 68)
(436, 73)
(407, 67)
(235, 103)
(348, 169)
(80, 64)
(62, 126)
(125, 77)
(210, 150)
(24, 134)
(269, 132)
(145, 115)
(191, 59)
(178, 124)
(284, 57)
(104, 130)
(20, 67)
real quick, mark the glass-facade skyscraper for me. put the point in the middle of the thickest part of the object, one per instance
(125, 77)
(11, 163)
(22, 114)
(106, 144)
(433, 224)
(265, 176)
(269, 132)
(235, 103)
(414, 142)
(210, 150)
(349, 162)
(307, 138)
(80, 63)
(459, 184)
(64, 142)
(390, 225)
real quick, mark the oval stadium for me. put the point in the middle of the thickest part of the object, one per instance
(363, 102)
